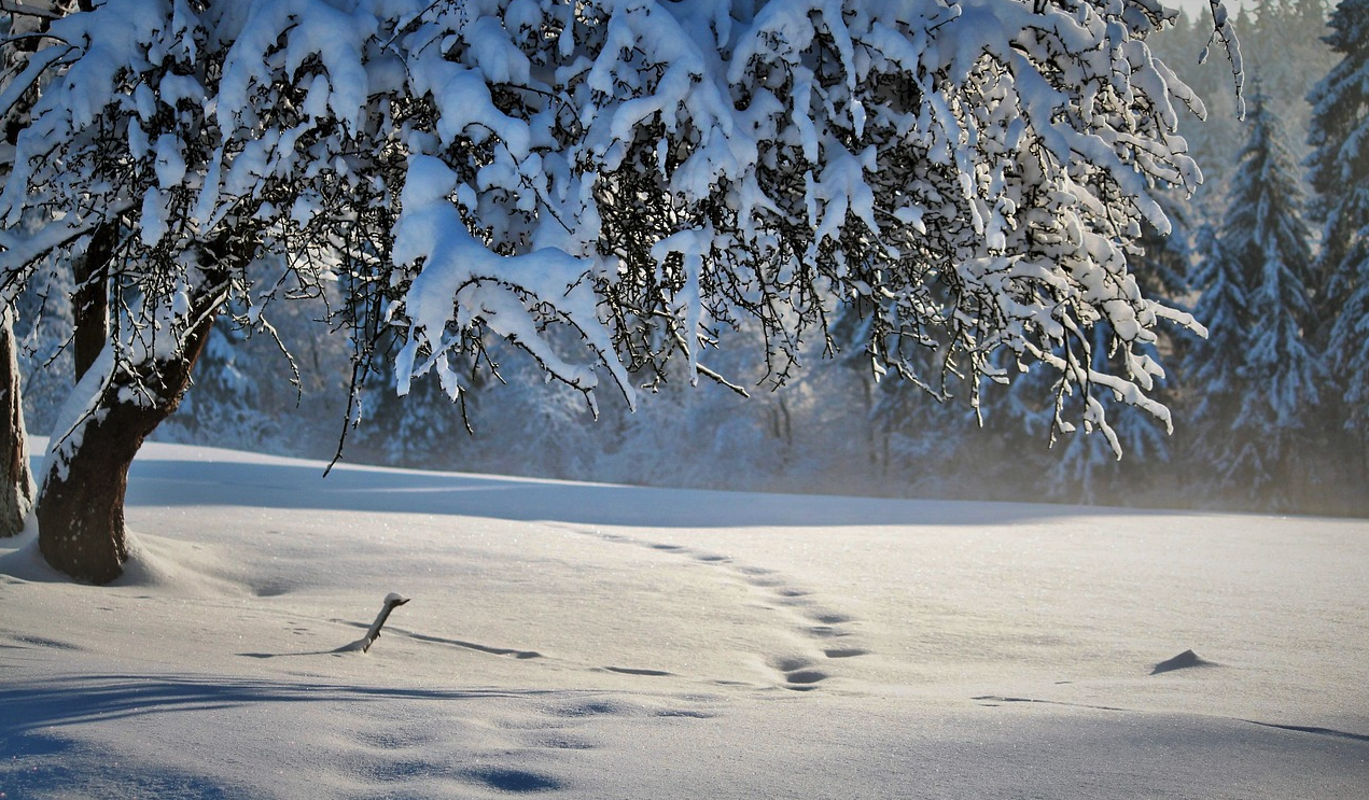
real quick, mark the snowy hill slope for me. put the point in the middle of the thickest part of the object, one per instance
(588, 641)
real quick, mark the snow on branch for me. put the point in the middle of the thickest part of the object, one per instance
(580, 177)
(1224, 33)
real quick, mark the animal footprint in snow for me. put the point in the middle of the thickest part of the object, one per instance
(804, 679)
(844, 652)
(799, 674)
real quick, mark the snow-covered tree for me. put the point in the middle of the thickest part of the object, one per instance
(16, 480)
(1338, 170)
(1212, 365)
(1265, 229)
(22, 26)
(1254, 286)
(625, 175)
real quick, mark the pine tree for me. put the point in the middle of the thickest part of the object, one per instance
(1213, 363)
(1257, 369)
(1338, 170)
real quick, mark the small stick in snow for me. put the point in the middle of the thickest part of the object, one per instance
(392, 600)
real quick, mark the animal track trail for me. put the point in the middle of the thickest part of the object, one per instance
(826, 634)
(817, 624)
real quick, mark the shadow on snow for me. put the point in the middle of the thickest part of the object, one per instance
(38, 757)
(171, 482)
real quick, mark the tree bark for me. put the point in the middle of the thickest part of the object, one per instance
(90, 303)
(16, 480)
(80, 511)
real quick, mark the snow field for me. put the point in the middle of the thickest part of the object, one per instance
(589, 641)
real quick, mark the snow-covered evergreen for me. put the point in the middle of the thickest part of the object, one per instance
(1259, 368)
(1338, 170)
(1213, 364)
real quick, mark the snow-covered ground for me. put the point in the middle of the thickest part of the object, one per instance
(586, 641)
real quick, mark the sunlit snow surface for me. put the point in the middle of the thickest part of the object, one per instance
(581, 641)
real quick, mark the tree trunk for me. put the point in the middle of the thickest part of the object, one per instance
(16, 478)
(81, 508)
(16, 481)
(90, 303)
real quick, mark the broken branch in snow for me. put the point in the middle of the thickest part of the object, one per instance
(392, 601)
